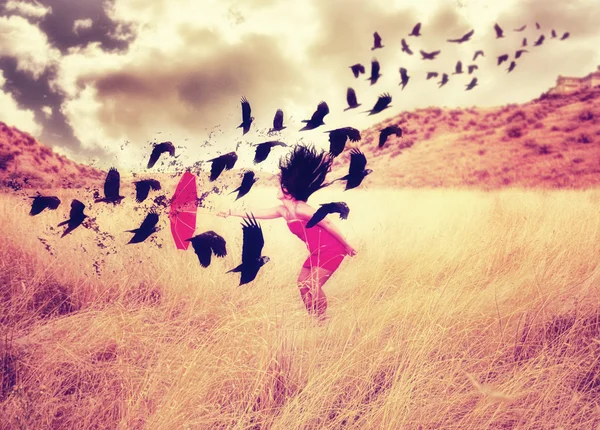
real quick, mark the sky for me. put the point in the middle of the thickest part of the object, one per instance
(101, 81)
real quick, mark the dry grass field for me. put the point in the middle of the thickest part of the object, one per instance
(462, 310)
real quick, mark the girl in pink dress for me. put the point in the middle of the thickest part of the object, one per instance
(302, 173)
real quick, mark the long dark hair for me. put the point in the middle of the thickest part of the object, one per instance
(303, 171)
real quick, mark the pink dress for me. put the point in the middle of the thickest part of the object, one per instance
(325, 250)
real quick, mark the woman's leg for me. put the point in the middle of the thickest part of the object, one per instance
(310, 284)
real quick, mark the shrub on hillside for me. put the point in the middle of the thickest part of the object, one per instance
(571, 127)
(585, 138)
(5, 158)
(586, 116)
(530, 143)
(514, 132)
(406, 143)
(545, 149)
(517, 116)
(538, 125)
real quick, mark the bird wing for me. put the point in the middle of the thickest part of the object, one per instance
(374, 69)
(382, 102)
(142, 188)
(156, 151)
(358, 161)
(383, 135)
(322, 110)
(432, 75)
(352, 133)
(318, 216)
(112, 183)
(351, 97)
(217, 243)
(76, 208)
(468, 35)
(167, 147)
(154, 184)
(261, 153)
(341, 208)
(253, 240)
(377, 38)
(403, 73)
(230, 160)
(498, 30)
(149, 222)
(246, 110)
(278, 119)
(416, 28)
(202, 249)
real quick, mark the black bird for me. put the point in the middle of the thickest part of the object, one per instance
(524, 43)
(540, 40)
(252, 247)
(76, 217)
(383, 102)
(375, 75)
(404, 77)
(43, 202)
(277, 122)
(472, 68)
(522, 28)
(537, 25)
(357, 171)
(112, 183)
(326, 209)
(464, 38)
(158, 150)
(247, 181)
(142, 188)
(458, 69)
(499, 32)
(351, 99)
(246, 118)
(432, 75)
(317, 117)
(502, 58)
(416, 30)
(511, 66)
(263, 150)
(444, 80)
(565, 36)
(406, 48)
(145, 230)
(477, 54)
(471, 84)
(553, 34)
(384, 133)
(220, 163)
(338, 138)
(519, 53)
(357, 69)
(376, 41)
(429, 55)
(206, 244)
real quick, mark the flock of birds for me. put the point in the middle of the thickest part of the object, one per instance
(210, 243)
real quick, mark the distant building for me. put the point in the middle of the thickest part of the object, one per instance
(568, 84)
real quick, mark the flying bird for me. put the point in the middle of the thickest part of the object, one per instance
(384, 133)
(43, 202)
(253, 242)
(502, 58)
(317, 117)
(277, 122)
(524, 43)
(540, 40)
(432, 75)
(565, 36)
(444, 80)
(247, 181)
(537, 25)
(375, 75)
(512, 66)
(404, 77)
(499, 31)
(158, 150)
(522, 28)
(416, 30)
(246, 118)
(145, 230)
(477, 54)
(326, 209)
(351, 99)
(553, 34)
(112, 184)
(356, 171)
(338, 138)
(263, 150)
(142, 188)
(472, 68)
(376, 41)
(357, 69)
(464, 38)
(220, 163)
(429, 55)
(206, 244)
(383, 102)
(520, 52)
(471, 84)
(76, 217)
(406, 48)
(458, 69)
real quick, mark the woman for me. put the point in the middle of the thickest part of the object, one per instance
(302, 173)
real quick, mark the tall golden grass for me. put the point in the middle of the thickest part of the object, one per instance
(462, 309)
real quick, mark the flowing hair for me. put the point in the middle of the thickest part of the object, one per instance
(303, 171)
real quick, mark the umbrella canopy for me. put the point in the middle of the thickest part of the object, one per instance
(183, 210)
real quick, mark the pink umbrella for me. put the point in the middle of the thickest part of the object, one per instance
(183, 211)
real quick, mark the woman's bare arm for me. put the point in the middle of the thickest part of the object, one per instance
(268, 213)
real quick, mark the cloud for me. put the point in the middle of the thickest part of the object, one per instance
(11, 114)
(47, 110)
(27, 9)
(82, 24)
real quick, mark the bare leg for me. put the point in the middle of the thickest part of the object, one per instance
(310, 284)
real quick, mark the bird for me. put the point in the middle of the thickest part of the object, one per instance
(404, 77)
(338, 138)
(326, 209)
(458, 69)
(383, 102)
(432, 75)
(444, 80)
(317, 117)
(112, 183)
(406, 48)
(464, 38)
(499, 31)
(511, 66)
(76, 217)
(357, 69)
(376, 41)
(521, 28)
(429, 55)
(472, 68)
(253, 242)
(43, 202)
(524, 43)
(540, 40)
(537, 25)
(220, 163)
(351, 99)
(375, 75)
(384, 133)
(206, 244)
(277, 122)
(246, 118)
(247, 181)
(159, 149)
(553, 34)
(416, 30)
(142, 188)
(502, 58)
(471, 84)
(520, 52)
(357, 171)
(145, 230)
(263, 150)
(565, 35)
(477, 54)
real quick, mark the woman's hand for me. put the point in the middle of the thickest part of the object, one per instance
(350, 251)
(224, 214)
